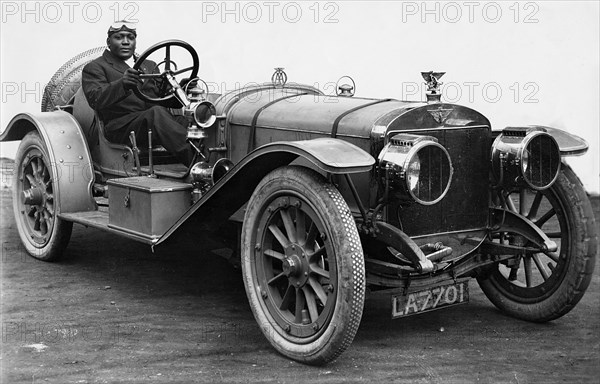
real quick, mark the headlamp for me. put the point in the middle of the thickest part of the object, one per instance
(417, 168)
(525, 156)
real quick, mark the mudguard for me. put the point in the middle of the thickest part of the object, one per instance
(569, 144)
(235, 188)
(70, 158)
(330, 155)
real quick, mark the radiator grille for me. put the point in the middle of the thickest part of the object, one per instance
(465, 206)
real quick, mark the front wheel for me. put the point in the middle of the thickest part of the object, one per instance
(546, 285)
(43, 234)
(303, 265)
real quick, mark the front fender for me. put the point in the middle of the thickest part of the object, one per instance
(568, 143)
(235, 188)
(328, 154)
(70, 158)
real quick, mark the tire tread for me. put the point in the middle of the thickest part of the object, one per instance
(76, 63)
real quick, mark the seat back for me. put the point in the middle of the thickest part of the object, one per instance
(84, 114)
(109, 158)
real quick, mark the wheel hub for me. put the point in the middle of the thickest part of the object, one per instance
(291, 266)
(295, 265)
(33, 196)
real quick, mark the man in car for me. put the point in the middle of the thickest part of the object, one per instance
(107, 84)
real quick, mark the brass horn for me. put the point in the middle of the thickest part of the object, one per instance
(202, 172)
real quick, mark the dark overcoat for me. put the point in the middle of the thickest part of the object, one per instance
(102, 82)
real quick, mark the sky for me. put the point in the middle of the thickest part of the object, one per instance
(518, 63)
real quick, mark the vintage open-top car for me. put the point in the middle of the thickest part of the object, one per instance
(321, 197)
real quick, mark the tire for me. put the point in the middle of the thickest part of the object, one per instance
(526, 289)
(42, 233)
(66, 81)
(303, 265)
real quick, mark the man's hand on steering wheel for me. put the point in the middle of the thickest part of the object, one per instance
(171, 90)
(131, 79)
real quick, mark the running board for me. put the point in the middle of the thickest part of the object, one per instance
(94, 219)
(99, 220)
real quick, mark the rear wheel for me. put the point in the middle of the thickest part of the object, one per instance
(303, 265)
(546, 285)
(42, 232)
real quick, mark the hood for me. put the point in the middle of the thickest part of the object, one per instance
(293, 109)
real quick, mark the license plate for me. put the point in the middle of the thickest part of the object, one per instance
(430, 299)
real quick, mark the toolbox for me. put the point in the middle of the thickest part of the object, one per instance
(146, 206)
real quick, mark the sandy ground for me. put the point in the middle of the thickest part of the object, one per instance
(112, 311)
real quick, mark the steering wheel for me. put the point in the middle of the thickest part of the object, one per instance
(169, 73)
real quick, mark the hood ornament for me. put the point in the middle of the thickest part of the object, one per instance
(432, 79)
(345, 89)
(279, 78)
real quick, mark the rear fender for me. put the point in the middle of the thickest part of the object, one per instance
(70, 158)
(235, 188)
